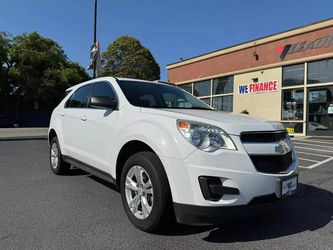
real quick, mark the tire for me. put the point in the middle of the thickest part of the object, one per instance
(157, 198)
(58, 166)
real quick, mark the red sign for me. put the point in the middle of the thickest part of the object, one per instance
(321, 42)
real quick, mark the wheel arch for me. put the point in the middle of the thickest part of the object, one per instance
(52, 134)
(128, 149)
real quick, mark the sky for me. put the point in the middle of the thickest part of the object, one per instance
(171, 29)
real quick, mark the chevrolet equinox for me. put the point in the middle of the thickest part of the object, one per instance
(170, 154)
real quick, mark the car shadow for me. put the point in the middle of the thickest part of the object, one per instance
(309, 209)
(75, 171)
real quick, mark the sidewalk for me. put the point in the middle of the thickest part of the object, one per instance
(23, 133)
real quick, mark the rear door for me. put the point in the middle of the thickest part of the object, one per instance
(96, 134)
(73, 116)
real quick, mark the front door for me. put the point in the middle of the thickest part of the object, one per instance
(320, 111)
(96, 134)
(71, 116)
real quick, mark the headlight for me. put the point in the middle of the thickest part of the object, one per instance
(205, 137)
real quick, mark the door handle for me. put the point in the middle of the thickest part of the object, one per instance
(62, 114)
(83, 118)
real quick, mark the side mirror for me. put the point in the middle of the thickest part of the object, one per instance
(103, 102)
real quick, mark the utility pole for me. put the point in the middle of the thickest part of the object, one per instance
(95, 35)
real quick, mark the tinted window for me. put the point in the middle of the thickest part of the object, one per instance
(292, 104)
(223, 103)
(148, 100)
(174, 100)
(156, 95)
(186, 87)
(103, 89)
(223, 85)
(80, 98)
(320, 71)
(320, 110)
(293, 75)
(202, 88)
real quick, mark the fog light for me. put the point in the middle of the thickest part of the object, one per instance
(212, 188)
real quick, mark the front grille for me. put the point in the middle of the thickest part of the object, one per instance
(263, 137)
(272, 164)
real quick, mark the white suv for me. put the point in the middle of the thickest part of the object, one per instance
(170, 154)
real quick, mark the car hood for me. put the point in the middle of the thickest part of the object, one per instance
(231, 123)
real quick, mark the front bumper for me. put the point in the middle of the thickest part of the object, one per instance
(236, 171)
(210, 215)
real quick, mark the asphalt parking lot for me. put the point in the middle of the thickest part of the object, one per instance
(39, 210)
(313, 153)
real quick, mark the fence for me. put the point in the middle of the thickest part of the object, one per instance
(24, 112)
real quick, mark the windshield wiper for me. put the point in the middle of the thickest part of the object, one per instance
(201, 108)
(163, 107)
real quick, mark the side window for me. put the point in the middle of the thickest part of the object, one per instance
(80, 98)
(103, 89)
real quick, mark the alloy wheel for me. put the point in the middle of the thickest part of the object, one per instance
(54, 155)
(139, 192)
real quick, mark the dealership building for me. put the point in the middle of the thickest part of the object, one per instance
(286, 77)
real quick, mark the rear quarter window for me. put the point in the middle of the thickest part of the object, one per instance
(80, 97)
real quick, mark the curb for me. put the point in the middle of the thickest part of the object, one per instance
(15, 134)
(23, 138)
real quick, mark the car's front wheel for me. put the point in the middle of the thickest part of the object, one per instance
(145, 192)
(58, 166)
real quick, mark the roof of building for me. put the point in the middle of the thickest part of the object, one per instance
(277, 36)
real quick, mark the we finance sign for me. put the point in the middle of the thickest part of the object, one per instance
(258, 87)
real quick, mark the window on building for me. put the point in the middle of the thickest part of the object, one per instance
(223, 85)
(293, 75)
(186, 87)
(206, 100)
(202, 88)
(293, 127)
(320, 71)
(223, 103)
(292, 104)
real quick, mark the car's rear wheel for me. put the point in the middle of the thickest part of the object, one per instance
(58, 165)
(145, 192)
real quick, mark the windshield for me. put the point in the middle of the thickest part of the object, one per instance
(156, 95)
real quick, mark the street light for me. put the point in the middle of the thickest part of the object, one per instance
(95, 35)
(95, 21)
(95, 57)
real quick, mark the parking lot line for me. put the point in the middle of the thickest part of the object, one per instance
(319, 163)
(309, 144)
(321, 141)
(322, 150)
(303, 167)
(304, 159)
(302, 152)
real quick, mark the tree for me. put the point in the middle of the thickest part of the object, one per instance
(126, 57)
(40, 69)
(5, 46)
(56, 80)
